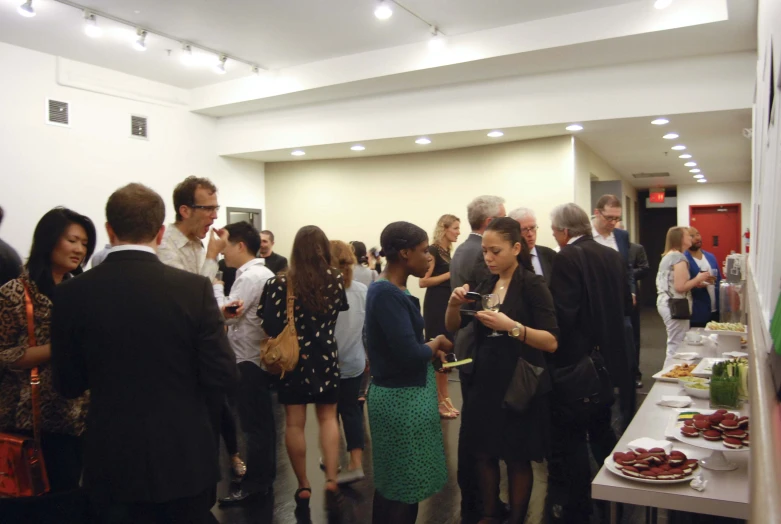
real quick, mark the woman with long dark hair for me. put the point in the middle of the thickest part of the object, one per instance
(526, 322)
(437, 285)
(318, 288)
(407, 447)
(63, 241)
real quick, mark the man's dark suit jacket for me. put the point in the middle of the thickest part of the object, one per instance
(467, 267)
(596, 318)
(622, 240)
(638, 261)
(10, 263)
(546, 256)
(148, 342)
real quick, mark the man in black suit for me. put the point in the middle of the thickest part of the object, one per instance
(468, 267)
(591, 293)
(542, 257)
(148, 342)
(638, 261)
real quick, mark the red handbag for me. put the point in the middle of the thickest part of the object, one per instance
(22, 469)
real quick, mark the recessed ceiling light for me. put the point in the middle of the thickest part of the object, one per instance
(694, 170)
(357, 147)
(140, 43)
(574, 127)
(91, 26)
(495, 134)
(699, 176)
(685, 155)
(670, 136)
(660, 121)
(690, 164)
(702, 181)
(298, 152)
(383, 10)
(679, 147)
(437, 41)
(26, 9)
(423, 141)
(663, 4)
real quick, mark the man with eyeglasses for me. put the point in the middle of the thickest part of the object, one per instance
(195, 202)
(542, 257)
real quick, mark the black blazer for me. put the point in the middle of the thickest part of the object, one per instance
(598, 321)
(148, 342)
(546, 255)
(622, 240)
(638, 261)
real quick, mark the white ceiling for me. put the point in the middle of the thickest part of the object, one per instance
(629, 145)
(272, 33)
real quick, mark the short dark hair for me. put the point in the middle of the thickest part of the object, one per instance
(135, 213)
(359, 248)
(184, 192)
(608, 201)
(2, 214)
(269, 233)
(510, 230)
(47, 234)
(400, 235)
(246, 233)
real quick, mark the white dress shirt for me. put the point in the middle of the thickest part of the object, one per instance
(608, 241)
(132, 247)
(176, 250)
(245, 332)
(705, 266)
(536, 262)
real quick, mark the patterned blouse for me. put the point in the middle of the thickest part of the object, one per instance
(58, 414)
(318, 363)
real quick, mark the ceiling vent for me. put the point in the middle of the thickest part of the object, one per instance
(138, 127)
(650, 175)
(57, 113)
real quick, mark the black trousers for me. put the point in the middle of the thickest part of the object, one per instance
(636, 337)
(256, 416)
(350, 411)
(574, 431)
(228, 428)
(471, 504)
(189, 510)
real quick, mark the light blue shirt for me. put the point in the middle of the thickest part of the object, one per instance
(349, 332)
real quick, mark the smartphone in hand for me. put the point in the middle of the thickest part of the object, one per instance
(471, 295)
(232, 309)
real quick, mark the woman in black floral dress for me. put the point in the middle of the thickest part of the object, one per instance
(320, 296)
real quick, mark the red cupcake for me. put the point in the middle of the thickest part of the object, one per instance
(690, 432)
(731, 416)
(702, 425)
(736, 433)
(629, 471)
(677, 458)
(743, 422)
(676, 473)
(733, 443)
(745, 441)
(716, 419)
(691, 463)
(711, 435)
(700, 416)
(728, 424)
(688, 422)
(722, 411)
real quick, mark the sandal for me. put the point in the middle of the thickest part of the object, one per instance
(301, 503)
(445, 413)
(238, 466)
(449, 404)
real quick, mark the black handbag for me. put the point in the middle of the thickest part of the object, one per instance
(679, 308)
(528, 381)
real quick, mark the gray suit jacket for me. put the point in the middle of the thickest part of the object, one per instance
(467, 267)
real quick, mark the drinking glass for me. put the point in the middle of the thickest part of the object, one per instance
(491, 303)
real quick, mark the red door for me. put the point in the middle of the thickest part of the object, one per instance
(720, 228)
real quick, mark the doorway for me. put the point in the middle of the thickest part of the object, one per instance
(719, 226)
(243, 214)
(653, 223)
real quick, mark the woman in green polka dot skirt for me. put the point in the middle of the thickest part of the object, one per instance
(407, 447)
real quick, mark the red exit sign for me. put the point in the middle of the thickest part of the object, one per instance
(657, 196)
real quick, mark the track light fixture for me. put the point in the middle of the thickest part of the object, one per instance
(91, 25)
(187, 55)
(383, 10)
(26, 9)
(140, 43)
(220, 67)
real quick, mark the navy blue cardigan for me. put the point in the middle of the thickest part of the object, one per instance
(394, 337)
(701, 306)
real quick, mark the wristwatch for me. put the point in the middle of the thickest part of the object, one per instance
(516, 331)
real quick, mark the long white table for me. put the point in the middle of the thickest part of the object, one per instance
(727, 493)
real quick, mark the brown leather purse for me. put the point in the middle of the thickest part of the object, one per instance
(280, 354)
(22, 469)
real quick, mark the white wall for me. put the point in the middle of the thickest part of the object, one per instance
(705, 194)
(354, 199)
(43, 166)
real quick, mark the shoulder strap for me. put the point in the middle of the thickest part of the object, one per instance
(291, 302)
(35, 381)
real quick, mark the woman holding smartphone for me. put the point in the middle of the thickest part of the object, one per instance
(516, 329)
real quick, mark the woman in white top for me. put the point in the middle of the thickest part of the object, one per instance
(362, 272)
(352, 360)
(672, 281)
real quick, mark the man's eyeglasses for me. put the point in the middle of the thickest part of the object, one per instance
(525, 230)
(209, 209)
(609, 218)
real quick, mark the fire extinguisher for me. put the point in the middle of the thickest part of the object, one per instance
(747, 239)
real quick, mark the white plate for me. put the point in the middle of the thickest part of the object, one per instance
(687, 355)
(700, 343)
(673, 430)
(658, 376)
(705, 367)
(729, 333)
(611, 466)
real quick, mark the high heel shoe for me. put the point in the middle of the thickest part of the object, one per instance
(333, 499)
(449, 404)
(238, 466)
(445, 412)
(302, 504)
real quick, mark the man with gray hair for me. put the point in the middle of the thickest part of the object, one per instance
(468, 267)
(590, 292)
(542, 257)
